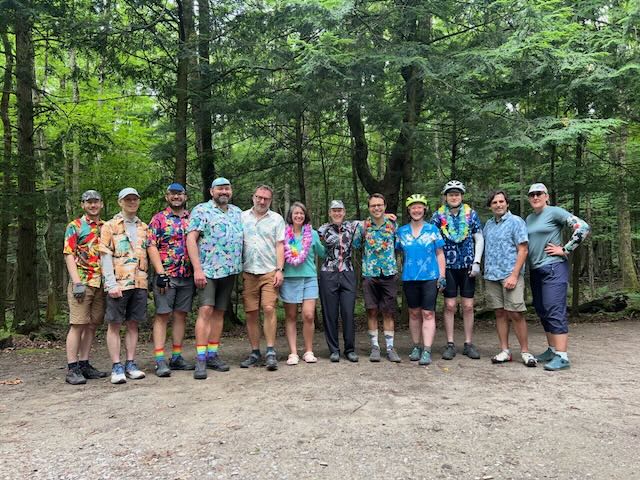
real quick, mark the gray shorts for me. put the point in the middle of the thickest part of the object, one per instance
(131, 306)
(178, 297)
(217, 292)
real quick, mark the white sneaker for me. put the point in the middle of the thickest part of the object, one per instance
(117, 374)
(503, 357)
(133, 372)
(529, 360)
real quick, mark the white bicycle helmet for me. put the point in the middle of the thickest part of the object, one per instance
(454, 185)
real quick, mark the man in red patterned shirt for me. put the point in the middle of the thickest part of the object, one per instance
(85, 294)
(173, 287)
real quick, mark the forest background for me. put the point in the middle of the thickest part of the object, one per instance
(321, 99)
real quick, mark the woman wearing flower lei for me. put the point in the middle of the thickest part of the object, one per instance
(301, 246)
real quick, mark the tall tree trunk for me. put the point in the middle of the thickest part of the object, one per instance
(628, 271)
(576, 256)
(299, 149)
(325, 173)
(185, 27)
(552, 174)
(27, 318)
(202, 112)
(590, 249)
(6, 205)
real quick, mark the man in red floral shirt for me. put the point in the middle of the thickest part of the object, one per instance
(84, 293)
(173, 287)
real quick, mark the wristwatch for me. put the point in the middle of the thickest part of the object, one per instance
(278, 269)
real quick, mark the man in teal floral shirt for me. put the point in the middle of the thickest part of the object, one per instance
(214, 243)
(379, 270)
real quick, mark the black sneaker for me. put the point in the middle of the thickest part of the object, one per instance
(162, 369)
(271, 361)
(200, 372)
(334, 357)
(217, 364)
(352, 357)
(75, 377)
(252, 360)
(449, 352)
(179, 363)
(471, 351)
(91, 373)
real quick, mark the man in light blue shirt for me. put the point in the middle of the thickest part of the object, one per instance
(505, 252)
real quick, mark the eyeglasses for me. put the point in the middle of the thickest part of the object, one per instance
(536, 194)
(262, 199)
(377, 205)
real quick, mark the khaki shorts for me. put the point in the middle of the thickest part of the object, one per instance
(499, 297)
(258, 290)
(90, 311)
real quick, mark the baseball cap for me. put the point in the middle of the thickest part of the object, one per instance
(336, 204)
(128, 191)
(538, 187)
(176, 187)
(218, 182)
(90, 195)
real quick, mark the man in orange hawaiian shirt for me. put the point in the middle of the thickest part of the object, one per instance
(84, 293)
(123, 243)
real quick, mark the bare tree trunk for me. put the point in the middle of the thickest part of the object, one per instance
(299, 149)
(185, 27)
(590, 249)
(354, 180)
(576, 256)
(553, 191)
(628, 271)
(202, 112)
(27, 317)
(6, 205)
(325, 174)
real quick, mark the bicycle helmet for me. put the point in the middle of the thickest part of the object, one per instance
(416, 198)
(453, 185)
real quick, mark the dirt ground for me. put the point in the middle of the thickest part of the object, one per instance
(465, 419)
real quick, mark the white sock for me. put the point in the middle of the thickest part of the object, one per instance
(388, 338)
(563, 355)
(373, 338)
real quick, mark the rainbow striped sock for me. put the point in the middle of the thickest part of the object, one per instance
(176, 351)
(201, 352)
(212, 349)
(158, 354)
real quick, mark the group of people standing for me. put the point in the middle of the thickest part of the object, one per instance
(206, 249)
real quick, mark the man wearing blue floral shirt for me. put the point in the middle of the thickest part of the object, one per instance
(379, 270)
(460, 227)
(505, 251)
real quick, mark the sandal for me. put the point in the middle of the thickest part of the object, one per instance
(293, 359)
(309, 357)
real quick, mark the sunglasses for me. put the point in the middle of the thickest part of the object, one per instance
(536, 194)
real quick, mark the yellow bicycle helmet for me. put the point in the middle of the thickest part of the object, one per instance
(416, 198)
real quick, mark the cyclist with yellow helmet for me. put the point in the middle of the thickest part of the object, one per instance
(423, 273)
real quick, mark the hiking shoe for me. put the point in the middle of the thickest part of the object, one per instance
(162, 369)
(334, 357)
(132, 371)
(503, 357)
(558, 363)
(217, 364)
(75, 377)
(470, 351)
(528, 359)
(179, 363)
(393, 356)
(425, 358)
(271, 361)
(352, 357)
(546, 356)
(374, 356)
(415, 354)
(449, 352)
(117, 374)
(200, 372)
(251, 361)
(91, 373)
